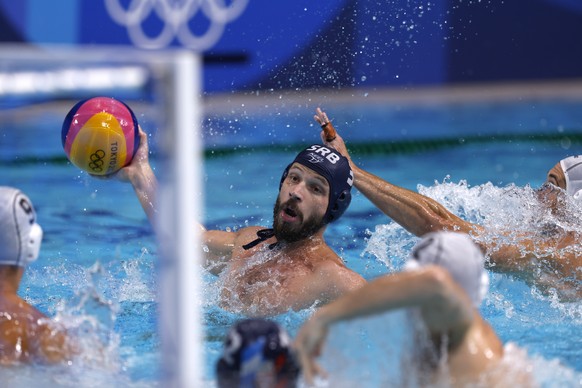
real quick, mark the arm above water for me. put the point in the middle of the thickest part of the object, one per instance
(217, 245)
(417, 213)
(142, 178)
(431, 288)
(549, 263)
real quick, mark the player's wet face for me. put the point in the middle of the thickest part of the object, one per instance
(551, 197)
(552, 193)
(557, 177)
(301, 204)
(293, 231)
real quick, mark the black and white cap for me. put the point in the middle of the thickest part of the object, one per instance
(572, 167)
(20, 235)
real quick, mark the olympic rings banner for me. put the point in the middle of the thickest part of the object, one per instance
(175, 18)
(243, 41)
(290, 44)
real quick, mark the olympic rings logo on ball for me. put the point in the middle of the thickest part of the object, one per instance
(97, 162)
(175, 15)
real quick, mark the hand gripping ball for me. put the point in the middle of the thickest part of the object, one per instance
(100, 135)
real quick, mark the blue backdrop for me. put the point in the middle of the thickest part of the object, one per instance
(258, 44)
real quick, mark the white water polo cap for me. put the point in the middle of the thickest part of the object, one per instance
(459, 255)
(20, 235)
(572, 167)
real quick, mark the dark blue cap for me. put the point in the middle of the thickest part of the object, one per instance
(335, 168)
(254, 345)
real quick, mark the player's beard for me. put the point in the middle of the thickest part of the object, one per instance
(287, 232)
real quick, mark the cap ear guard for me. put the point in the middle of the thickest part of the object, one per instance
(339, 207)
(20, 235)
(572, 168)
(32, 245)
(285, 173)
(483, 286)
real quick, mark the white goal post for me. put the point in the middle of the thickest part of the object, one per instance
(179, 74)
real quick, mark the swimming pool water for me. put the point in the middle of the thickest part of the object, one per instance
(97, 269)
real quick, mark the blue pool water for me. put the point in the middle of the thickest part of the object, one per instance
(97, 269)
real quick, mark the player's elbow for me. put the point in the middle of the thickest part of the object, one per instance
(438, 285)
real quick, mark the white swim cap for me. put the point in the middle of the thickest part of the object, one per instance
(20, 235)
(459, 255)
(572, 167)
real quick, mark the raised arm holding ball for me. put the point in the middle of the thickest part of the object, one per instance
(267, 271)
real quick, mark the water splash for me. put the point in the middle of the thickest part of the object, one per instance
(510, 216)
(518, 309)
(390, 244)
(243, 287)
(137, 283)
(90, 319)
(109, 311)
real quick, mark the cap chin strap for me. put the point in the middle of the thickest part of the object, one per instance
(32, 245)
(263, 235)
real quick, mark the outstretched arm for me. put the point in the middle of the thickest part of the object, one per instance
(415, 212)
(431, 289)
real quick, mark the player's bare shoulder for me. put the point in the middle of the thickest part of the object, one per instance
(332, 271)
(247, 234)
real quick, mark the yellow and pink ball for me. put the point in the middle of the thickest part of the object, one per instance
(100, 135)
